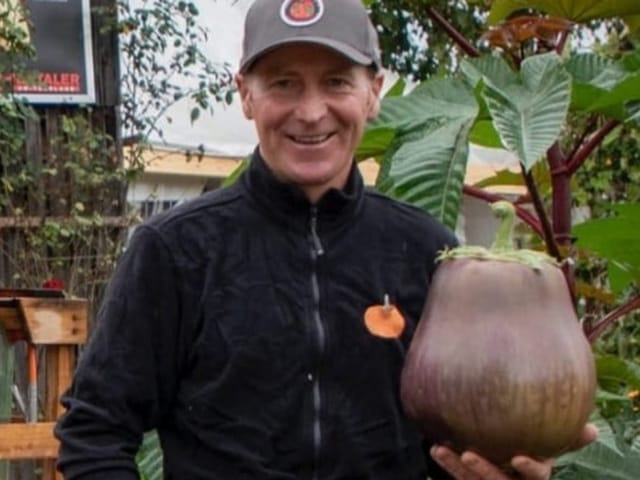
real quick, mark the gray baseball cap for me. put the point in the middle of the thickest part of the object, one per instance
(341, 25)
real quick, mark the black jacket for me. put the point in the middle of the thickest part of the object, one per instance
(234, 325)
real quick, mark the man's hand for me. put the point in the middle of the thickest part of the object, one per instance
(470, 466)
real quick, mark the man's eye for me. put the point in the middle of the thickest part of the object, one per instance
(283, 84)
(340, 84)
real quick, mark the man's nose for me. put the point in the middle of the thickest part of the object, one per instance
(312, 105)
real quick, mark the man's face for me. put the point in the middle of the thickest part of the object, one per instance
(310, 106)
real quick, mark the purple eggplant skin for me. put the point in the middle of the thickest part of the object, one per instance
(499, 363)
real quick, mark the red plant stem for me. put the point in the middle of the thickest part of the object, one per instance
(522, 213)
(538, 205)
(588, 130)
(454, 34)
(583, 153)
(561, 208)
(560, 181)
(611, 317)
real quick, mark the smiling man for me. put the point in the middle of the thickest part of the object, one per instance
(234, 324)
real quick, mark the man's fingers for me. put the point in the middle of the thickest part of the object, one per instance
(532, 469)
(589, 434)
(450, 461)
(483, 468)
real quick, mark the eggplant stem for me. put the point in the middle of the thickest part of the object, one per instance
(502, 249)
(506, 213)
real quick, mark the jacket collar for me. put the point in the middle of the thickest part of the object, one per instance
(284, 201)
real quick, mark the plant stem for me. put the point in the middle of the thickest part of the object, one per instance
(560, 180)
(576, 160)
(538, 205)
(588, 130)
(522, 213)
(561, 208)
(454, 34)
(506, 212)
(612, 316)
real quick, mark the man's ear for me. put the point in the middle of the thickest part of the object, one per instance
(374, 95)
(245, 95)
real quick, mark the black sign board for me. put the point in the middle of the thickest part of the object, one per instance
(60, 31)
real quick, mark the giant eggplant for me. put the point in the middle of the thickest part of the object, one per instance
(499, 363)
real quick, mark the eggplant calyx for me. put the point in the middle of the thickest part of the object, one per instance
(502, 248)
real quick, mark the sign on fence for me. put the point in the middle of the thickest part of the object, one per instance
(60, 31)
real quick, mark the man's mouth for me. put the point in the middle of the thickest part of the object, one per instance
(310, 139)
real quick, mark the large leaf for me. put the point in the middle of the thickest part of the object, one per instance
(375, 142)
(577, 10)
(603, 85)
(616, 239)
(484, 133)
(604, 459)
(528, 108)
(437, 98)
(426, 161)
(428, 166)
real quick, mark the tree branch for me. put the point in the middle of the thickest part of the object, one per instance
(611, 317)
(454, 34)
(583, 153)
(526, 216)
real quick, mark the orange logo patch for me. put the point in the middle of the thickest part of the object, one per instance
(299, 13)
(385, 320)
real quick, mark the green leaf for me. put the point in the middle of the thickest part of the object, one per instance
(529, 109)
(425, 163)
(195, 114)
(503, 177)
(397, 89)
(576, 10)
(488, 66)
(150, 457)
(604, 459)
(235, 174)
(614, 372)
(616, 239)
(594, 77)
(485, 134)
(427, 168)
(434, 99)
(375, 142)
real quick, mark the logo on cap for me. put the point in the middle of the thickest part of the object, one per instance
(299, 13)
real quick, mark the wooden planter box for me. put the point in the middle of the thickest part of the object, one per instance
(59, 325)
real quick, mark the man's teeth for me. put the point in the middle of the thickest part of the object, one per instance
(311, 139)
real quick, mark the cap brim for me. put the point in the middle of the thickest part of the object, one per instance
(339, 47)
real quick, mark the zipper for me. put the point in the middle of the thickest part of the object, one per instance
(320, 338)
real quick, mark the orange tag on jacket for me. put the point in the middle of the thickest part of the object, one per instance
(384, 321)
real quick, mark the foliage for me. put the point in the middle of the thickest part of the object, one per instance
(79, 189)
(558, 111)
(149, 457)
(162, 63)
(409, 42)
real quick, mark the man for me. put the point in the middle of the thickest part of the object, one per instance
(234, 324)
